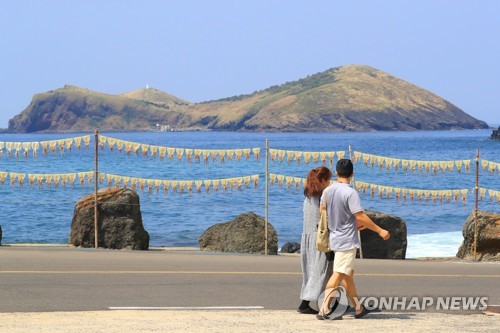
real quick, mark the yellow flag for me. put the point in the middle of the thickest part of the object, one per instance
(119, 145)
(111, 143)
(256, 152)
(298, 155)
(246, 153)
(281, 155)
(102, 140)
(255, 179)
(154, 150)
(273, 153)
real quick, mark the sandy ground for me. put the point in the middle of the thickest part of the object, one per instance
(240, 321)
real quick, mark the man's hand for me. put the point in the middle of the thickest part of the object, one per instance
(384, 234)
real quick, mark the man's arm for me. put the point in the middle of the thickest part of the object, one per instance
(366, 221)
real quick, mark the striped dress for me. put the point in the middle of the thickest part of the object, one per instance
(316, 270)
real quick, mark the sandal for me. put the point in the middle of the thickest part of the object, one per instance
(322, 314)
(364, 312)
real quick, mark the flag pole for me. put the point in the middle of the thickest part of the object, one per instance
(96, 188)
(266, 206)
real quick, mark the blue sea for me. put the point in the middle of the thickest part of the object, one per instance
(43, 215)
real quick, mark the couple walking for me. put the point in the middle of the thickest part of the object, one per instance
(345, 217)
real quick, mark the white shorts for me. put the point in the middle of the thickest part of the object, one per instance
(344, 261)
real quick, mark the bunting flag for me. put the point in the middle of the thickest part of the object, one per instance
(307, 157)
(174, 185)
(45, 179)
(18, 149)
(389, 192)
(289, 181)
(490, 166)
(413, 165)
(181, 153)
(405, 193)
(492, 194)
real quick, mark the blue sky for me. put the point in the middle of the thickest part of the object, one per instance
(203, 50)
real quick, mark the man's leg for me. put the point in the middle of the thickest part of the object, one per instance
(350, 288)
(332, 284)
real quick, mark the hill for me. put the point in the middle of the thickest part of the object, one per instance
(76, 109)
(348, 98)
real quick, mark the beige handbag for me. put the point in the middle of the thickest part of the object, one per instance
(323, 237)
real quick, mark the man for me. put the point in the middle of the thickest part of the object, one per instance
(345, 217)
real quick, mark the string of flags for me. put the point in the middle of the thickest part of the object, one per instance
(18, 149)
(492, 194)
(87, 177)
(299, 156)
(412, 165)
(411, 194)
(490, 166)
(397, 193)
(168, 152)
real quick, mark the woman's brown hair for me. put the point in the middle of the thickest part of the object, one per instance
(315, 181)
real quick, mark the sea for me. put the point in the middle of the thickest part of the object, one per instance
(43, 214)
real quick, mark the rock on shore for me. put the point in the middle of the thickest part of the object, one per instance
(496, 134)
(245, 234)
(120, 221)
(375, 247)
(488, 237)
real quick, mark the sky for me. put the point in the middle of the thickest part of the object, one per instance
(202, 50)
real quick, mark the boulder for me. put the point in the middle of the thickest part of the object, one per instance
(496, 134)
(245, 234)
(291, 247)
(488, 237)
(119, 220)
(375, 247)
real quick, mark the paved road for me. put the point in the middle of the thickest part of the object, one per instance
(35, 279)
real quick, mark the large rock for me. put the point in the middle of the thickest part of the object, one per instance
(290, 247)
(375, 247)
(488, 237)
(496, 134)
(245, 234)
(119, 218)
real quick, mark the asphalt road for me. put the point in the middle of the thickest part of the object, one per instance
(36, 279)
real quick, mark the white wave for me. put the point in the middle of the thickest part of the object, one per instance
(442, 244)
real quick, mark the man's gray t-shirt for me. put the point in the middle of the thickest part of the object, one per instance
(342, 203)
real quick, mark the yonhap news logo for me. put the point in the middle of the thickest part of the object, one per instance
(425, 303)
(337, 304)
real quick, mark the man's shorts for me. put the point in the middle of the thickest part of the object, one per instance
(344, 261)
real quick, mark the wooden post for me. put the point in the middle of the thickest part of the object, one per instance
(96, 188)
(476, 204)
(266, 206)
(359, 232)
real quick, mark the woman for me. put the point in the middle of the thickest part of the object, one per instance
(316, 269)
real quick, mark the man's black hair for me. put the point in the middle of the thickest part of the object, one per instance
(344, 168)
